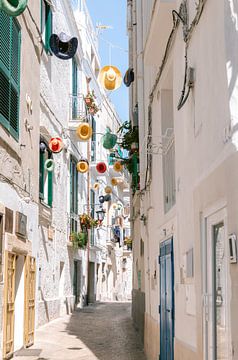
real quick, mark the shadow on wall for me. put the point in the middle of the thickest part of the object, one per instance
(231, 34)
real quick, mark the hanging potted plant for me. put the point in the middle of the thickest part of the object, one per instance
(79, 239)
(128, 243)
(87, 222)
(89, 98)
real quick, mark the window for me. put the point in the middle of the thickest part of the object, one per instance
(92, 202)
(46, 24)
(46, 179)
(10, 53)
(73, 195)
(93, 141)
(74, 89)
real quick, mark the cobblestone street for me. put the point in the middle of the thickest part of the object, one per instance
(100, 332)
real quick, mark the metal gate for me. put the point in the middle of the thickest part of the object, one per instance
(29, 318)
(166, 300)
(9, 301)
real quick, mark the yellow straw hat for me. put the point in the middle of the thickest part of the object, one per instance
(108, 190)
(82, 166)
(96, 186)
(84, 131)
(110, 77)
(114, 182)
(118, 166)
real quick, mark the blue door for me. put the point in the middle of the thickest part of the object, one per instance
(166, 300)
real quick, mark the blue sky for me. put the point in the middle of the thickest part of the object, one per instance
(113, 13)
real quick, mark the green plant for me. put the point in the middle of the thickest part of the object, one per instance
(79, 239)
(130, 135)
(90, 102)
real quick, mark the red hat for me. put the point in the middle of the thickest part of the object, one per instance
(56, 145)
(101, 167)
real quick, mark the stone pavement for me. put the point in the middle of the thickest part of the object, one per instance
(99, 332)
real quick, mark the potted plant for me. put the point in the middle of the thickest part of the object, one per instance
(128, 243)
(130, 137)
(79, 239)
(89, 98)
(87, 222)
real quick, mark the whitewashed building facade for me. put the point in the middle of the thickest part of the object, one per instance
(183, 55)
(68, 276)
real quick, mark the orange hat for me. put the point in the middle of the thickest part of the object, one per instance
(56, 145)
(118, 167)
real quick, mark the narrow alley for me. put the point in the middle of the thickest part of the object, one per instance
(99, 332)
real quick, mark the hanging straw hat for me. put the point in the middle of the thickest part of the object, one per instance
(83, 166)
(96, 186)
(56, 145)
(49, 165)
(84, 131)
(110, 77)
(129, 77)
(109, 140)
(114, 182)
(13, 8)
(107, 197)
(63, 46)
(118, 167)
(101, 167)
(108, 190)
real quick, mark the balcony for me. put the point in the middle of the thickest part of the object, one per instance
(77, 110)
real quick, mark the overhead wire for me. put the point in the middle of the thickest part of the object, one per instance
(183, 97)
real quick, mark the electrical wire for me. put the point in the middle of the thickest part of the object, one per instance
(183, 97)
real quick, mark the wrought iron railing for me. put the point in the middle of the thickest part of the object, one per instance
(77, 107)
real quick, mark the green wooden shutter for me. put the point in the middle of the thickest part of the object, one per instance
(74, 89)
(15, 79)
(42, 174)
(74, 77)
(48, 26)
(76, 189)
(71, 186)
(50, 188)
(10, 51)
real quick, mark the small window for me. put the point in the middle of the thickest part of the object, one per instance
(45, 179)
(10, 54)
(73, 195)
(46, 24)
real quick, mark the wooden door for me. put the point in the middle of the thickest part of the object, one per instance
(29, 316)
(9, 302)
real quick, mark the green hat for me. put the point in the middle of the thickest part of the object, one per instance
(109, 140)
(13, 7)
